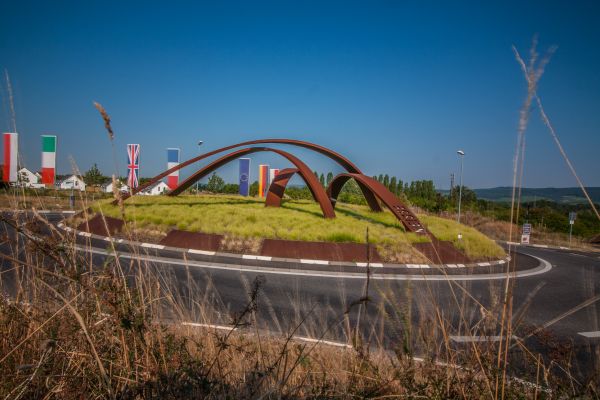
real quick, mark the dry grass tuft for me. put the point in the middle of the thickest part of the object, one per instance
(106, 119)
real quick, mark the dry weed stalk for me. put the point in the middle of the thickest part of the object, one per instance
(106, 119)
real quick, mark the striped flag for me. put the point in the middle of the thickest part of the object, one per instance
(11, 150)
(272, 174)
(263, 180)
(48, 159)
(133, 165)
(172, 161)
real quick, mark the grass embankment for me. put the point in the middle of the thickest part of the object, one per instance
(295, 220)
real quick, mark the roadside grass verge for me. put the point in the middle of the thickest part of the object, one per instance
(296, 220)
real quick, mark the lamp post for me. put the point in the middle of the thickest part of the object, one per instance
(461, 155)
(200, 142)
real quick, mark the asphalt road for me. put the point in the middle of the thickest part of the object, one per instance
(562, 304)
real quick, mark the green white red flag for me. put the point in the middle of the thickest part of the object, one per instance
(48, 159)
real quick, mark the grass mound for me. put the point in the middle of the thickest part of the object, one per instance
(295, 220)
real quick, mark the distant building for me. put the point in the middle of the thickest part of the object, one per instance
(73, 182)
(29, 179)
(156, 189)
(108, 187)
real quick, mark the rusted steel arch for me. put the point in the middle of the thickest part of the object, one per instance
(343, 161)
(277, 187)
(312, 182)
(402, 212)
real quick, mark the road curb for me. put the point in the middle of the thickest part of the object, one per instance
(539, 246)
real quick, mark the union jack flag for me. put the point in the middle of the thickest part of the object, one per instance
(133, 165)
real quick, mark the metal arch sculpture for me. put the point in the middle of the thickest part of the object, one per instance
(343, 161)
(402, 213)
(302, 169)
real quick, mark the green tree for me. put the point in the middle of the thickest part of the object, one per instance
(380, 178)
(393, 188)
(94, 177)
(215, 183)
(386, 181)
(322, 179)
(329, 177)
(253, 189)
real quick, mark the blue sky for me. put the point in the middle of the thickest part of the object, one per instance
(397, 87)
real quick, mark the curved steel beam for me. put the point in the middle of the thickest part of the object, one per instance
(400, 211)
(277, 187)
(315, 187)
(343, 161)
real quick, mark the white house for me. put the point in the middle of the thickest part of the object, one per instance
(73, 182)
(28, 178)
(108, 187)
(156, 189)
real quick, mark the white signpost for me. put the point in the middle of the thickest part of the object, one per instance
(526, 234)
(572, 216)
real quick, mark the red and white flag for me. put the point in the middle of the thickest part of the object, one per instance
(11, 151)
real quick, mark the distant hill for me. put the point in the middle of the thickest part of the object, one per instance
(572, 195)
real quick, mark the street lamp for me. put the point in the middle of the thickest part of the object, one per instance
(461, 155)
(200, 142)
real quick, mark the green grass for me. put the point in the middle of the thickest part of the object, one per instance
(295, 220)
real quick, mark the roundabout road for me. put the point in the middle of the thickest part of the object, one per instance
(558, 296)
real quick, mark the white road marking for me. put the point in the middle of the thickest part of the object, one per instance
(320, 262)
(451, 265)
(253, 257)
(203, 252)
(484, 264)
(302, 338)
(417, 266)
(374, 265)
(545, 267)
(199, 325)
(321, 341)
(469, 339)
(593, 334)
(153, 246)
(460, 265)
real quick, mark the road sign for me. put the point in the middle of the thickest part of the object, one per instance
(524, 239)
(572, 216)
(527, 229)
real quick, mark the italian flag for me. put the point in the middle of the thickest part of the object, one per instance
(11, 149)
(48, 159)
